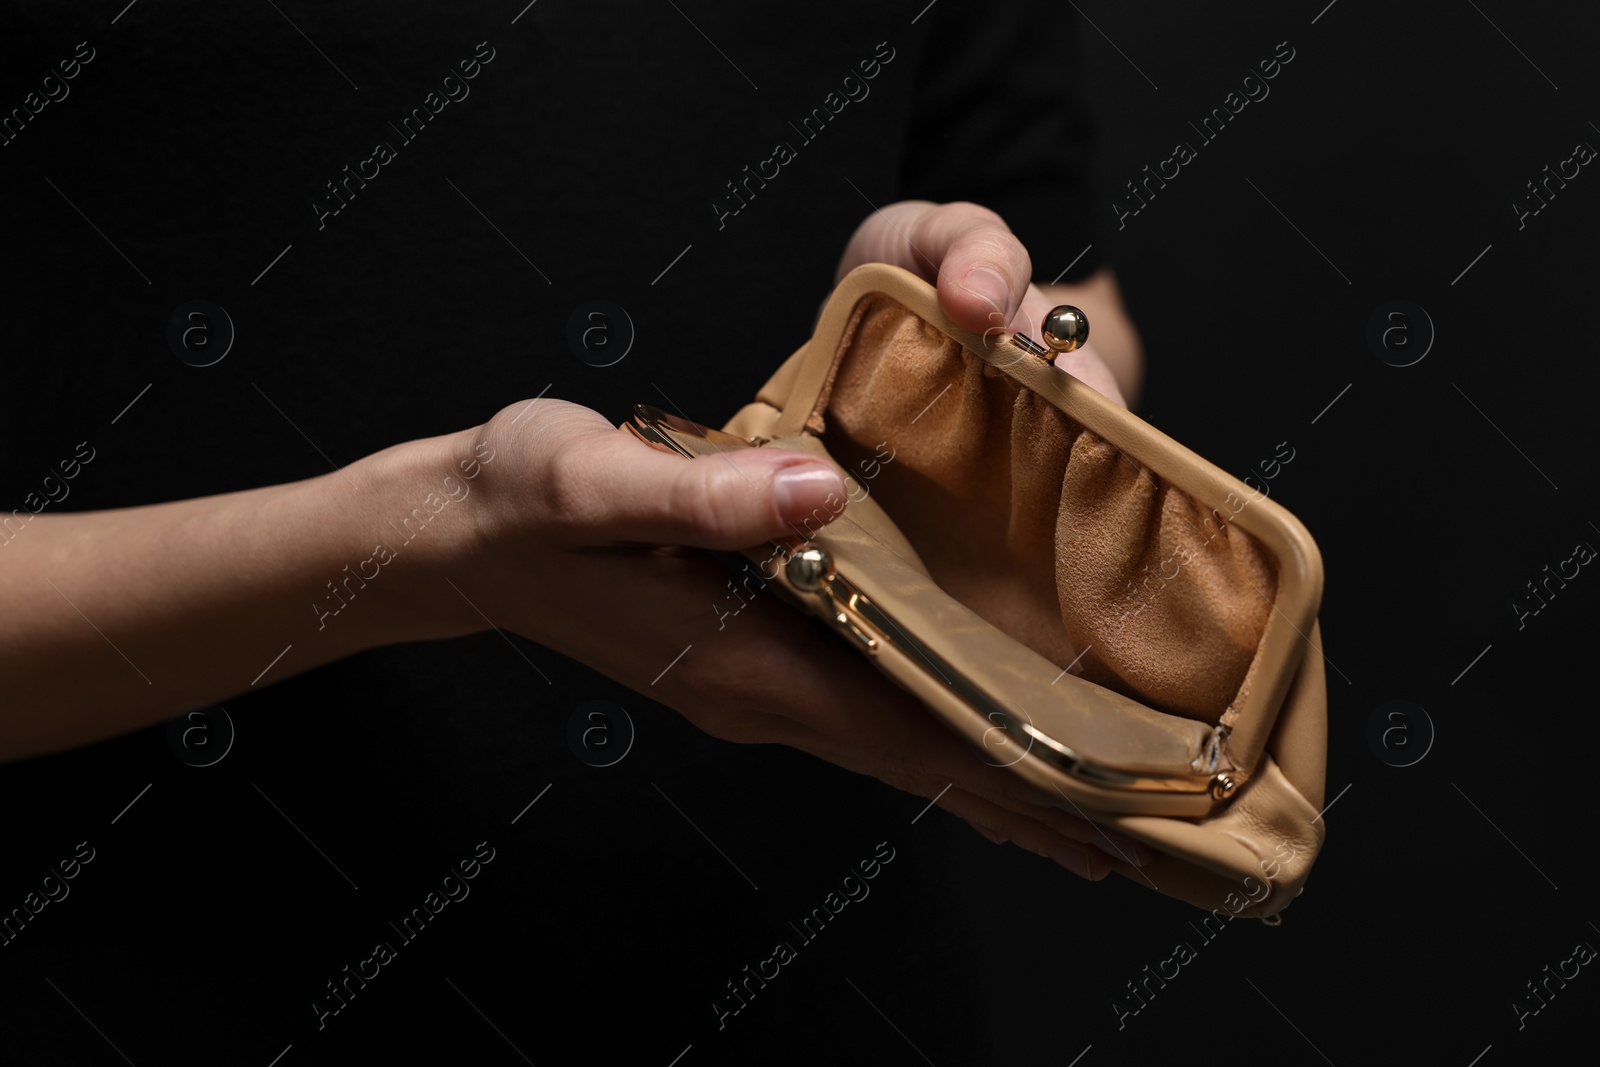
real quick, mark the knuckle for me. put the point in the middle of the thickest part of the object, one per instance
(1002, 246)
(567, 487)
(696, 499)
(708, 684)
(746, 727)
(966, 209)
(729, 692)
(736, 722)
(904, 783)
(895, 767)
(728, 723)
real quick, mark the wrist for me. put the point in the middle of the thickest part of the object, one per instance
(410, 528)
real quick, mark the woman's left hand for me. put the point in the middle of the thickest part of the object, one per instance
(985, 280)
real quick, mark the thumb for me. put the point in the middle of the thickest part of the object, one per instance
(725, 500)
(980, 268)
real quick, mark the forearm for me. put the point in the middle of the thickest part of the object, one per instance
(117, 620)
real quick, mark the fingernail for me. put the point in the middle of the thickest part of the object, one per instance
(805, 490)
(988, 284)
(1074, 861)
(1129, 849)
(992, 835)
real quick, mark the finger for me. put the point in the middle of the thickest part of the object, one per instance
(981, 270)
(606, 486)
(1081, 859)
(1044, 831)
(1110, 842)
(902, 743)
(746, 684)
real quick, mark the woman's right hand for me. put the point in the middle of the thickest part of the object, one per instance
(574, 538)
(546, 520)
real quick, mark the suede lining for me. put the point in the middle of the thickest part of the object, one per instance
(1042, 528)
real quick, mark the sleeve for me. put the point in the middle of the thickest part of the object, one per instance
(998, 119)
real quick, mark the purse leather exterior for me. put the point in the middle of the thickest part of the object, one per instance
(1231, 807)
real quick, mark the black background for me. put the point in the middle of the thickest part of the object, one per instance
(1394, 141)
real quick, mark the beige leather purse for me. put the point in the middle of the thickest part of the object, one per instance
(1091, 604)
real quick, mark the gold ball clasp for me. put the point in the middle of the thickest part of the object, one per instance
(1065, 329)
(808, 569)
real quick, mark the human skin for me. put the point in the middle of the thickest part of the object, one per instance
(554, 525)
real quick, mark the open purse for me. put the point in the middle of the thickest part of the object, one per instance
(1092, 605)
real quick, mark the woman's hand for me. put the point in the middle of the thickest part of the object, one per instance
(984, 277)
(570, 544)
(572, 529)
(546, 520)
